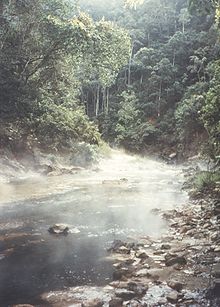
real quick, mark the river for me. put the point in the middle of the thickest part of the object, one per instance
(112, 201)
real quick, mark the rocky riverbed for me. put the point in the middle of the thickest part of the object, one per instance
(170, 257)
(181, 268)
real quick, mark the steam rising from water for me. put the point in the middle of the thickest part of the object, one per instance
(112, 202)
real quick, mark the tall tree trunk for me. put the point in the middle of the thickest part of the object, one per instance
(107, 101)
(159, 98)
(129, 66)
(104, 99)
(97, 101)
(174, 57)
(141, 80)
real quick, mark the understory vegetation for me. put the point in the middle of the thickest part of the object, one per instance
(138, 74)
(207, 181)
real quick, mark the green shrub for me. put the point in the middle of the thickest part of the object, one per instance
(206, 180)
(60, 126)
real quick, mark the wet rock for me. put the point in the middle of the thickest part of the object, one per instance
(122, 272)
(115, 182)
(216, 270)
(59, 229)
(116, 302)
(172, 259)
(139, 288)
(123, 250)
(184, 229)
(46, 169)
(142, 273)
(156, 211)
(77, 168)
(116, 245)
(23, 305)
(214, 236)
(153, 274)
(159, 252)
(93, 303)
(134, 303)
(162, 301)
(125, 294)
(216, 210)
(217, 249)
(173, 155)
(123, 180)
(216, 288)
(118, 284)
(176, 285)
(173, 297)
(165, 246)
(141, 254)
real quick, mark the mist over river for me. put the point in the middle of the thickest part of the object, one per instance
(113, 201)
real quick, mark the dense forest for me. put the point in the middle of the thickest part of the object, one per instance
(109, 153)
(139, 74)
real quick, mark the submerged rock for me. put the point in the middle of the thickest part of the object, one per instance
(59, 229)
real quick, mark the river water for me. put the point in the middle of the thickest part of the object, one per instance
(112, 201)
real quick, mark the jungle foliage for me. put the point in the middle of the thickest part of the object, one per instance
(49, 50)
(147, 77)
(167, 94)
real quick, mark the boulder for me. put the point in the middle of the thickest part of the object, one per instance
(172, 297)
(172, 259)
(216, 288)
(122, 272)
(116, 245)
(173, 155)
(125, 294)
(134, 303)
(165, 246)
(176, 285)
(123, 250)
(59, 229)
(141, 254)
(116, 302)
(216, 270)
(139, 288)
(93, 303)
(142, 273)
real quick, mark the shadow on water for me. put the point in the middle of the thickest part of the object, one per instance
(100, 207)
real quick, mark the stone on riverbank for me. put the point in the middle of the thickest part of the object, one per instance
(173, 297)
(116, 302)
(125, 294)
(172, 259)
(176, 285)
